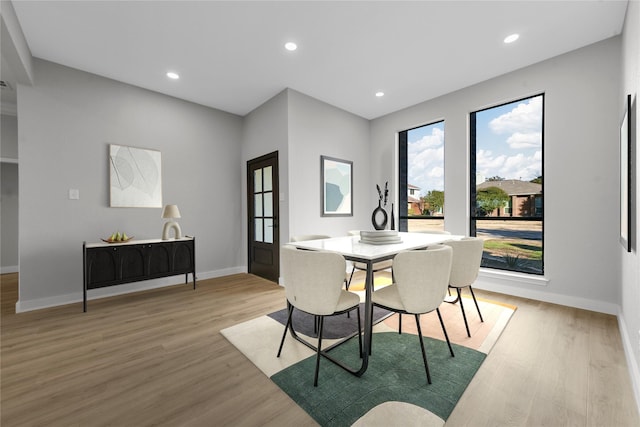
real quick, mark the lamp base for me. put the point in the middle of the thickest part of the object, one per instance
(177, 232)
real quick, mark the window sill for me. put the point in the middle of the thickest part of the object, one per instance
(512, 276)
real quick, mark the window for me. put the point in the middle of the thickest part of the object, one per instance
(507, 184)
(421, 192)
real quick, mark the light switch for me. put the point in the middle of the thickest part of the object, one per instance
(74, 194)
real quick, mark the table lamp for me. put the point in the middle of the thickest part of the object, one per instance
(171, 211)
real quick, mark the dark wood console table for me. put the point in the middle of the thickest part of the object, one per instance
(110, 264)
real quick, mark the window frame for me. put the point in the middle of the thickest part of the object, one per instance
(473, 217)
(403, 141)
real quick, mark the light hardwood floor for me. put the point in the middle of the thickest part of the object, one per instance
(157, 358)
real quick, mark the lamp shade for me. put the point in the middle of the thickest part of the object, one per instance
(170, 211)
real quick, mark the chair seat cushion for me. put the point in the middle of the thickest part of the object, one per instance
(388, 297)
(347, 300)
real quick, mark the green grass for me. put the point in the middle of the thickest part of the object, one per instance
(513, 249)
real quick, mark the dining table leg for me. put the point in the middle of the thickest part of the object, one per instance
(368, 319)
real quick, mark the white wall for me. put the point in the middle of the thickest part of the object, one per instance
(264, 131)
(9, 218)
(581, 250)
(8, 137)
(315, 129)
(66, 122)
(302, 129)
(630, 262)
(9, 194)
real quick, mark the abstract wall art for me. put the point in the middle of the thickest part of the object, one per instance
(336, 179)
(136, 177)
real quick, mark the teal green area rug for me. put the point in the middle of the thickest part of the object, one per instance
(395, 373)
(394, 389)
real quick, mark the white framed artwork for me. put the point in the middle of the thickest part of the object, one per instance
(135, 177)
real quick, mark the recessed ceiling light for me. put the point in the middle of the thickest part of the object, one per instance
(173, 75)
(511, 38)
(290, 46)
(379, 94)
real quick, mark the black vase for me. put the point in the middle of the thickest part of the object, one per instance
(379, 218)
(393, 219)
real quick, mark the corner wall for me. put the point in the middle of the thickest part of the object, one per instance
(630, 261)
(319, 129)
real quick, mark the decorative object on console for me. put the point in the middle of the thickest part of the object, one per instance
(118, 237)
(171, 211)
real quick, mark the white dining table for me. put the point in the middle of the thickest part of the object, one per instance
(354, 250)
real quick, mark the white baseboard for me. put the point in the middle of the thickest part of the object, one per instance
(634, 372)
(504, 285)
(9, 269)
(40, 303)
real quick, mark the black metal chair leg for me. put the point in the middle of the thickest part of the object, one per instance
(286, 328)
(348, 283)
(399, 323)
(315, 377)
(445, 332)
(464, 316)
(424, 353)
(476, 301)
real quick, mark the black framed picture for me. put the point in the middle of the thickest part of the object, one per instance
(626, 174)
(336, 181)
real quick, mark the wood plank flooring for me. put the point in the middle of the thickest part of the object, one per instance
(157, 358)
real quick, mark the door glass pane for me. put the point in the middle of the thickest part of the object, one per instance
(268, 178)
(268, 204)
(258, 228)
(258, 204)
(257, 181)
(268, 230)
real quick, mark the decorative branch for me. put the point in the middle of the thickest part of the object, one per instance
(383, 198)
(386, 192)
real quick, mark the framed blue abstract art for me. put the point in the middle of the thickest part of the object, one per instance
(336, 181)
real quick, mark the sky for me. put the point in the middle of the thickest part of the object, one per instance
(508, 144)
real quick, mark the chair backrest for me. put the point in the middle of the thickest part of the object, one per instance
(422, 277)
(303, 237)
(312, 279)
(467, 256)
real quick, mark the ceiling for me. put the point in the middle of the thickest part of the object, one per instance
(231, 56)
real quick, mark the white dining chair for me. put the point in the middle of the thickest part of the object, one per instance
(467, 257)
(421, 280)
(313, 284)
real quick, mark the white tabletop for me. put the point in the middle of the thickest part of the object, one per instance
(351, 247)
